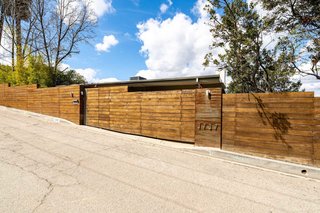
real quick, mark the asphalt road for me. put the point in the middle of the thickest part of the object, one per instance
(60, 167)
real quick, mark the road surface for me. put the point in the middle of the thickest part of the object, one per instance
(47, 166)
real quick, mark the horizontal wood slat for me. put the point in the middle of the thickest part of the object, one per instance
(63, 102)
(208, 117)
(282, 126)
(278, 125)
(160, 114)
(316, 132)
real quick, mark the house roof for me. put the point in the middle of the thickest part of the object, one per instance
(194, 81)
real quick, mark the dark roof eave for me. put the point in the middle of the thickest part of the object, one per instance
(208, 79)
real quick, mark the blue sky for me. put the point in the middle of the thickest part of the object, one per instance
(153, 39)
(125, 59)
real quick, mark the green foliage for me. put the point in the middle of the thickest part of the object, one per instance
(300, 19)
(69, 77)
(37, 28)
(252, 68)
(298, 15)
(5, 74)
(37, 72)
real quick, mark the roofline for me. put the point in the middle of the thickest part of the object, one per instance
(203, 77)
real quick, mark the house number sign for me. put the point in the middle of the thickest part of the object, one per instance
(208, 127)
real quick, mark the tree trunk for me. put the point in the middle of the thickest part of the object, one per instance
(19, 42)
(1, 21)
(13, 40)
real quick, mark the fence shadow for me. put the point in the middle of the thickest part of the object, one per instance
(278, 121)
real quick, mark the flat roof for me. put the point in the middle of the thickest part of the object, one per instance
(180, 81)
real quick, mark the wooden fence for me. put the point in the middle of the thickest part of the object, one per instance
(316, 132)
(63, 102)
(161, 114)
(281, 126)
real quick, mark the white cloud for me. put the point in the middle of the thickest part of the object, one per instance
(310, 83)
(5, 48)
(96, 9)
(198, 9)
(176, 46)
(107, 43)
(106, 80)
(165, 6)
(101, 7)
(89, 74)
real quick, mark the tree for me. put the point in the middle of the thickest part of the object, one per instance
(50, 29)
(22, 13)
(5, 74)
(37, 72)
(18, 11)
(239, 30)
(300, 19)
(68, 77)
(2, 14)
(62, 30)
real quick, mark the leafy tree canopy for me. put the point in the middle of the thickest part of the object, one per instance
(239, 30)
(37, 72)
(300, 19)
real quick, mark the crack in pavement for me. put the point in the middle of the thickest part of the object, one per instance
(50, 184)
(43, 199)
(132, 185)
(37, 143)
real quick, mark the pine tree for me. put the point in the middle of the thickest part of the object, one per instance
(239, 30)
(301, 20)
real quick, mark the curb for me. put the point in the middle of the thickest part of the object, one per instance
(260, 163)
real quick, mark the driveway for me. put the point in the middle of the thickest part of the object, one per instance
(48, 166)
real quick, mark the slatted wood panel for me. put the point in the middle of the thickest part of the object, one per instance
(279, 126)
(68, 109)
(35, 101)
(208, 117)
(56, 101)
(188, 108)
(92, 107)
(316, 132)
(2, 87)
(50, 101)
(160, 114)
(104, 108)
(124, 110)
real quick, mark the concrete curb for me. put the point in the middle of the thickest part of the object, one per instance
(260, 163)
(47, 118)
